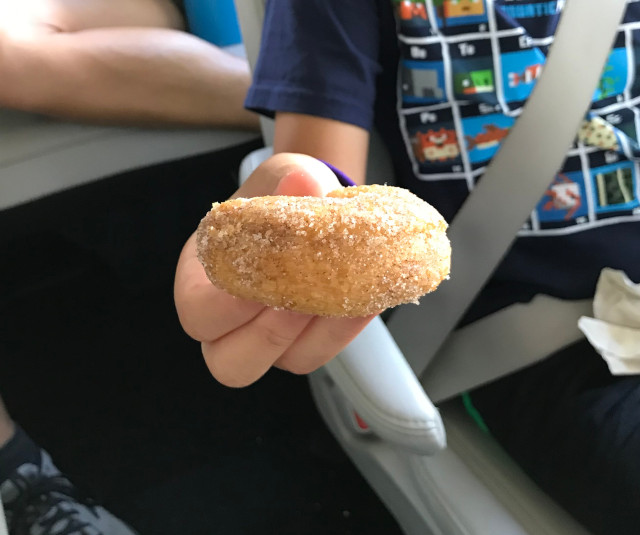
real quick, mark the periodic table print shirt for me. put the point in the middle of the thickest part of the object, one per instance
(466, 70)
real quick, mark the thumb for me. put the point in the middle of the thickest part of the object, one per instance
(300, 183)
(290, 174)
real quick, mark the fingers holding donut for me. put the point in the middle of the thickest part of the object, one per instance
(322, 261)
(206, 312)
(322, 339)
(289, 174)
(242, 339)
(244, 355)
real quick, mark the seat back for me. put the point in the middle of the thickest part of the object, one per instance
(41, 156)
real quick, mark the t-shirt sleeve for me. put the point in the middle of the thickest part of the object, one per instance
(318, 57)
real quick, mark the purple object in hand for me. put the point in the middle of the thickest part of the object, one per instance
(342, 178)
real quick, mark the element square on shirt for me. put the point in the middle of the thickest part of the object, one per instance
(413, 18)
(615, 189)
(613, 80)
(423, 82)
(520, 71)
(434, 142)
(456, 13)
(483, 135)
(564, 202)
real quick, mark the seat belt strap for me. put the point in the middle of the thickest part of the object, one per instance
(502, 343)
(525, 165)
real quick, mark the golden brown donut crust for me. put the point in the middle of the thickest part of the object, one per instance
(353, 253)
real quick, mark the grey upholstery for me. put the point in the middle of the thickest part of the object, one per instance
(40, 156)
(461, 484)
(470, 488)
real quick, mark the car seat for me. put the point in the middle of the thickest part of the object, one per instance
(42, 156)
(460, 482)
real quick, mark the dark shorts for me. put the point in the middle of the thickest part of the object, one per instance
(575, 429)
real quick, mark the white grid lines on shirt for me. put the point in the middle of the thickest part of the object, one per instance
(592, 222)
(426, 177)
(455, 112)
(497, 59)
(493, 31)
(636, 167)
(577, 228)
(402, 122)
(631, 63)
(588, 186)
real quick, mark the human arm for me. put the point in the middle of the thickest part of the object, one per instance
(341, 144)
(242, 340)
(117, 61)
(332, 125)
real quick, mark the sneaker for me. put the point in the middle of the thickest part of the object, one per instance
(39, 500)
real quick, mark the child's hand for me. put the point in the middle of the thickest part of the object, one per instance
(241, 339)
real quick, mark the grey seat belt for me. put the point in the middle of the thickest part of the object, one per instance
(525, 165)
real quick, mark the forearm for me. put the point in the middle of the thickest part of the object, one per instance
(338, 143)
(132, 75)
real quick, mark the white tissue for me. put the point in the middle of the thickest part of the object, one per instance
(615, 328)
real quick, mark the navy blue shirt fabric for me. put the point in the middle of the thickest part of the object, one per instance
(443, 82)
(330, 71)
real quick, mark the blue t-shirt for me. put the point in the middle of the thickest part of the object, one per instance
(444, 81)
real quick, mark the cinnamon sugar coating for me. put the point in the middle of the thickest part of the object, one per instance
(353, 253)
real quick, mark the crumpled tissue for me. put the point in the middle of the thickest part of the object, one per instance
(614, 330)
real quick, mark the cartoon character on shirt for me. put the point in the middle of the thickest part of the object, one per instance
(529, 75)
(473, 82)
(563, 194)
(436, 145)
(615, 188)
(489, 139)
(462, 8)
(460, 12)
(411, 9)
(596, 132)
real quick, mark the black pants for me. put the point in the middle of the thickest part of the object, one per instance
(575, 429)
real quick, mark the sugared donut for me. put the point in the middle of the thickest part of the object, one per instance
(355, 252)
